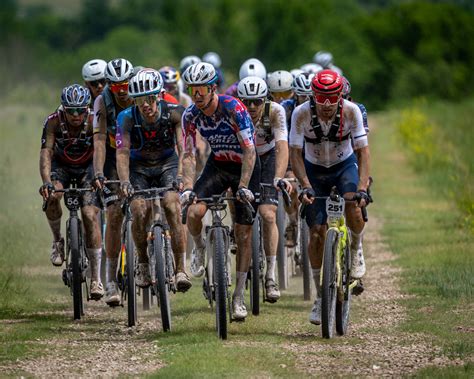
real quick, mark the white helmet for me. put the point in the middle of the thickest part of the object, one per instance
(118, 70)
(280, 81)
(296, 71)
(252, 67)
(212, 58)
(302, 84)
(312, 68)
(188, 61)
(94, 70)
(200, 74)
(323, 58)
(335, 68)
(252, 87)
(146, 82)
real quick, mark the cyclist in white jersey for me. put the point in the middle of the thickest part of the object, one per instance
(271, 138)
(326, 125)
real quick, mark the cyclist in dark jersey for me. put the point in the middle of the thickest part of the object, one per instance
(107, 106)
(225, 123)
(149, 133)
(66, 155)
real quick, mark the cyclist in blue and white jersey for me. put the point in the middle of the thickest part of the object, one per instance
(225, 123)
(328, 125)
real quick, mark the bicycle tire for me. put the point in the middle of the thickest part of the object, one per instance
(328, 287)
(255, 268)
(343, 302)
(162, 287)
(220, 280)
(282, 258)
(130, 272)
(305, 264)
(76, 267)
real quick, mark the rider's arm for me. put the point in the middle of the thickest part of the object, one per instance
(280, 131)
(363, 160)
(100, 134)
(46, 154)
(122, 140)
(188, 136)
(248, 163)
(296, 146)
(176, 119)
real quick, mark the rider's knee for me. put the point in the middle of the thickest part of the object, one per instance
(196, 212)
(268, 215)
(89, 214)
(138, 208)
(114, 215)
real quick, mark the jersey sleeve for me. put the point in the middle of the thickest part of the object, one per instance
(278, 122)
(243, 121)
(124, 127)
(48, 133)
(297, 130)
(358, 133)
(188, 128)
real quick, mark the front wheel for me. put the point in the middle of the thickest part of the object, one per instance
(255, 268)
(305, 264)
(220, 280)
(343, 303)
(328, 287)
(161, 283)
(76, 263)
(282, 258)
(130, 272)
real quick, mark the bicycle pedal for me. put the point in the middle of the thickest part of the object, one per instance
(271, 301)
(358, 289)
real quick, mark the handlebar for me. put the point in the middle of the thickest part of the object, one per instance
(67, 190)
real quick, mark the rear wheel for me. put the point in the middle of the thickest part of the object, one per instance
(220, 281)
(305, 264)
(255, 268)
(76, 263)
(163, 294)
(329, 290)
(130, 272)
(343, 303)
(282, 259)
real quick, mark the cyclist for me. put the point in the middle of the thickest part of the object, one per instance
(214, 59)
(279, 85)
(66, 155)
(346, 94)
(271, 138)
(170, 83)
(251, 67)
(326, 125)
(107, 106)
(93, 73)
(225, 123)
(302, 92)
(325, 60)
(147, 137)
(311, 68)
(188, 61)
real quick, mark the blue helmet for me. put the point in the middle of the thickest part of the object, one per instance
(75, 96)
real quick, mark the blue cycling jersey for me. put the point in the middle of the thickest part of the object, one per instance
(228, 130)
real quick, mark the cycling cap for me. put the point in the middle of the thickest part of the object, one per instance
(252, 87)
(212, 58)
(188, 61)
(323, 58)
(169, 74)
(200, 74)
(252, 67)
(302, 84)
(145, 82)
(118, 70)
(75, 96)
(280, 81)
(327, 82)
(94, 70)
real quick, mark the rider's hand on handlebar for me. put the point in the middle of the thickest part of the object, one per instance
(282, 182)
(46, 190)
(307, 195)
(362, 198)
(99, 181)
(184, 198)
(126, 188)
(244, 195)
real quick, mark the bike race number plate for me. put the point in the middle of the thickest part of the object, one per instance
(335, 209)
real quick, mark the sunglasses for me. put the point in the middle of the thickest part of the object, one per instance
(255, 102)
(282, 95)
(198, 90)
(118, 87)
(140, 101)
(326, 99)
(97, 83)
(75, 110)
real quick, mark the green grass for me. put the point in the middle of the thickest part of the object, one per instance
(426, 229)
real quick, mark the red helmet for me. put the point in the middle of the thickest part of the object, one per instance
(327, 82)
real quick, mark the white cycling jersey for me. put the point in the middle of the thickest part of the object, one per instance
(276, 130)
(328, 153)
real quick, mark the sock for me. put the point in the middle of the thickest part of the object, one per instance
(180, 261)
(271, 259)
(55, 226)
(111, 269)
(356, 241)
(317, 283)
(94, 260)
(240, 285)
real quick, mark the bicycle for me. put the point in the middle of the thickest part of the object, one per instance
(74, 275)
(217, 278)
(337, 284)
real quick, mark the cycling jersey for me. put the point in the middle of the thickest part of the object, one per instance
(228, 130)
(271, 127)
(150, 143)
(289, 106)
(72, 146)
(232, 90)
(329, 148)
(363, 110)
